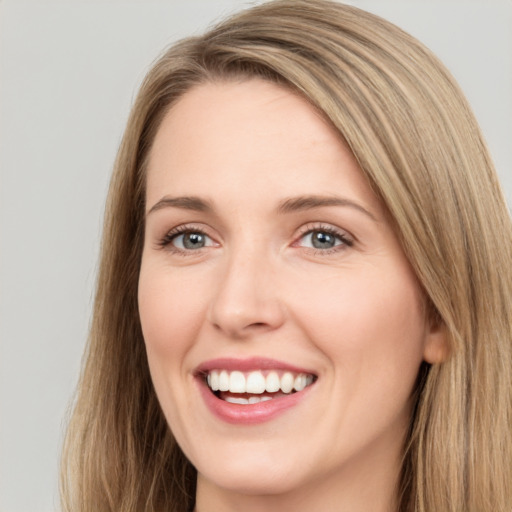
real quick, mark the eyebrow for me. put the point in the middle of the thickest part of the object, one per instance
(186, 202)
(293, 204)
(302, 203)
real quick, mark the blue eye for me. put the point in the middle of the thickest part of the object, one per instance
(191, 240)
(186, 239)
(324, 239)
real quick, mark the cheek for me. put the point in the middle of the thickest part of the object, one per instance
(370, 328)
(170, 309)
(371, 332)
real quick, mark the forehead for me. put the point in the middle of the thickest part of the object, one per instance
(249, 137)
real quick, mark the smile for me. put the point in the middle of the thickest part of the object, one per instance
(254, 390)
(253, 387)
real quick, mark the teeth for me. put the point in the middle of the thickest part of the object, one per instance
(300, 382)
(236, 400)
(256, 383)
(246, 401)
(237, 382)
(287, 381)
(257, 399)
(223, 381)
(213, 380)
(273, 382)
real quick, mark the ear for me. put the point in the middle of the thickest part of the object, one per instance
(436, 349)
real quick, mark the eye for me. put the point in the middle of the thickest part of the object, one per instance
(324, 239)
(184, 239)
(192, 240)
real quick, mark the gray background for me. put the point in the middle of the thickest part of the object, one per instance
(68, 74)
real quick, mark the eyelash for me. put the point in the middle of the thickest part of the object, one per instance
(346, 240)
(166, 242)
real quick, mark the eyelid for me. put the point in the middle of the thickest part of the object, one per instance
(347, 240)
(166, 241)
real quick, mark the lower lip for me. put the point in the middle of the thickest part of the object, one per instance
(247, 414)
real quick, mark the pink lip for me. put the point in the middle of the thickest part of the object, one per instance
(250, 413)
(247, 365)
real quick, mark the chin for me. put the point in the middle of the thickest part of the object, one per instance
(255, 477)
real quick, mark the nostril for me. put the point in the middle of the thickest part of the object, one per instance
(239, 315)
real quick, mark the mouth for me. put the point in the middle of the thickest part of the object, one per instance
(254, 390)
(254, 387)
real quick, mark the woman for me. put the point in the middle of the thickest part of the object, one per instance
(303, 301)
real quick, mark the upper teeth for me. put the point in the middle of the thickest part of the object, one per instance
(256, 382)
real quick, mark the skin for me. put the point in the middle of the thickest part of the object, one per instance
(352, 314)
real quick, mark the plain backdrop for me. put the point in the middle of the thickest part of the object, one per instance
(68, 74)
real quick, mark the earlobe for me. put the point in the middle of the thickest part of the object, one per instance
(436, 348)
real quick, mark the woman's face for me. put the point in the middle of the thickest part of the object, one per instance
(269, 264)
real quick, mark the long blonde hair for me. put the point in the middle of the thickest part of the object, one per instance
(417, 141)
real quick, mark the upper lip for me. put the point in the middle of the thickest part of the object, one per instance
(248, 364)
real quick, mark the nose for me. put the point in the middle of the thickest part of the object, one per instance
(246, 300)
